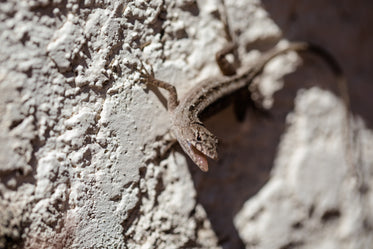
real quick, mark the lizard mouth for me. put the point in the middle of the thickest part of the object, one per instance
(199, 158)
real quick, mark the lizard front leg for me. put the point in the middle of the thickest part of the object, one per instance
(148, 77)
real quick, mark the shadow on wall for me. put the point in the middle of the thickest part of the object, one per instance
(349, 39)
(247, 150)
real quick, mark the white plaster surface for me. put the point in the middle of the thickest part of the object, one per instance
(83, 141)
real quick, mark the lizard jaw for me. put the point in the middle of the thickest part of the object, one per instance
(199, 155)
(199, 158)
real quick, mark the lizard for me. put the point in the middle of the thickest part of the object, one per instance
(185, 114)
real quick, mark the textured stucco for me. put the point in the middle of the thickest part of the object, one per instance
(84, 150)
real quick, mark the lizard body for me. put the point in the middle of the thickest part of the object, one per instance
(194, 138)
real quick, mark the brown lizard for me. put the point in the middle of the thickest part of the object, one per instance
(197, 141)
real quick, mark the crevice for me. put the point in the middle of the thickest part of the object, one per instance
(330, 215)
(292, 245)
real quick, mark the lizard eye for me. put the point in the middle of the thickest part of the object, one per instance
(199, 138)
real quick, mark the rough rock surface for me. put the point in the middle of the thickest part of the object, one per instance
(83, 141)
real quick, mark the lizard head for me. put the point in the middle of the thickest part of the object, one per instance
(198, 142)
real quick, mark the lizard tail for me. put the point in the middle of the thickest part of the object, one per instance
(332, 63)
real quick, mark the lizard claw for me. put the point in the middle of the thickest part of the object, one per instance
(144, 73)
